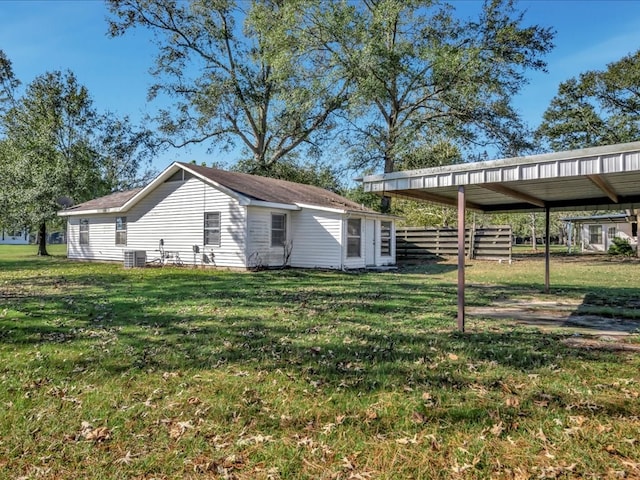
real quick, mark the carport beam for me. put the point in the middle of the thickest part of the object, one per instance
(461, 256)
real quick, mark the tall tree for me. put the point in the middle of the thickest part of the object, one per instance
(8, 81)
(48, 154)
(423, 74)
(599, 107)
(228, 84)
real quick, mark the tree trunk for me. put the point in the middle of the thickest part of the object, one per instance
(534, 242)
(42, 240)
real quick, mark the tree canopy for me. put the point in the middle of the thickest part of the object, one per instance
(599, 107)
(389, 77)
(57, 150)
(228, 84)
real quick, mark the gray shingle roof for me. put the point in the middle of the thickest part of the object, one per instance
(113, 200)
(251, 186)
(277, 191)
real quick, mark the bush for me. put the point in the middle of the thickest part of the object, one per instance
(621, 247)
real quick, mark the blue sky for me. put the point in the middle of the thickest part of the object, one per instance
(40, 36)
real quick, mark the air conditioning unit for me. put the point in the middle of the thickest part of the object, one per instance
(135, 258)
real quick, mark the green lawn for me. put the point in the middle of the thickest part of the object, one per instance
(171, 372)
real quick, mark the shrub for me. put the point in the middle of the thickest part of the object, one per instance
(621, 247)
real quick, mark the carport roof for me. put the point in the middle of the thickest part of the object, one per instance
(597, 178)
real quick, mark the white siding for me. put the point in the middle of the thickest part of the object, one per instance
(623, 230)
(173, 212)
(7, 239)
(259, 249)
(317, 239)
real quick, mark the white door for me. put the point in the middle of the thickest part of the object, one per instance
(370, 242)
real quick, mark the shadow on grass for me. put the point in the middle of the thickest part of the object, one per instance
(369, 331)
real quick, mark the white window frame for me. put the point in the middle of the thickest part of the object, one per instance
(354, 238)
(278, 235)
(595, 234)
(121, 231)
(212, 230)
(83, 231)
(386, 233)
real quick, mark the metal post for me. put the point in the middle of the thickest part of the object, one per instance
(547, 253)
(461, 256)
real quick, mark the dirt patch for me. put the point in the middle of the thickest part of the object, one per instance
(550, 315)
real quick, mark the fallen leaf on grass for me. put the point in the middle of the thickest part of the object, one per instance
(99, 434)
(497, 429)
(127, 459)
(512, 402)
(177, 429)
(407, 440)
(453, 357)
(418, 417)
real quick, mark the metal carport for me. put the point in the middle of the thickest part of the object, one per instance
(598, 178)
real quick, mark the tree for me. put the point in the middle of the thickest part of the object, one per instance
(8, 82)
(423, 76)
(48, 154)
(126, 153)
(597, 108)
(228, 82)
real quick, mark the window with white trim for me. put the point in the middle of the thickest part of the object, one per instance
(121, 230)
(611, 233)
(385, 239)
(212, 229)
(595, 234)
(278, 229)
(354, 237)
(83, 236)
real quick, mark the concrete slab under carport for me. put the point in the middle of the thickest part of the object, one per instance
(597, 178)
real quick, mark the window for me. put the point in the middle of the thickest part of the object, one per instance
(212, 228)
(611, 233)
(278, 229)
(121, 230)
(385, 239)
(354, 237)
(84, 231)
(595, 234)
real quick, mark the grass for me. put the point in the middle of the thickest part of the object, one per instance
(169, 372)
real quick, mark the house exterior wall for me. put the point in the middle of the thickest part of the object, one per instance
(589, 243)
(10, 238)
(173, 212)
(316, 239)
(260, 253)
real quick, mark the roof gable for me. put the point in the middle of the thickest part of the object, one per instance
(252, 188)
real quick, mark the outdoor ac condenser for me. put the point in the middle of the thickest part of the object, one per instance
(135, 258)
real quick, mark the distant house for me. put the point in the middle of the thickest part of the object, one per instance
(596, 233)
(14, 237)
(197, 215)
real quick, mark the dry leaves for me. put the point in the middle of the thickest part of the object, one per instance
(100, 434)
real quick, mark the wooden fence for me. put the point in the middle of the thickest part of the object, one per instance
(418, 243)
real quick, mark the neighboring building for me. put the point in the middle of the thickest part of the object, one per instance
(197, 215)
(17, 237)
(596, 233)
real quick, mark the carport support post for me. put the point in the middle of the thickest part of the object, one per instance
(461, 256)
(547, 250)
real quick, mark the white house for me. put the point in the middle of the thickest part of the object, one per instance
(596, 233)
(17, 237)
(191, 214)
